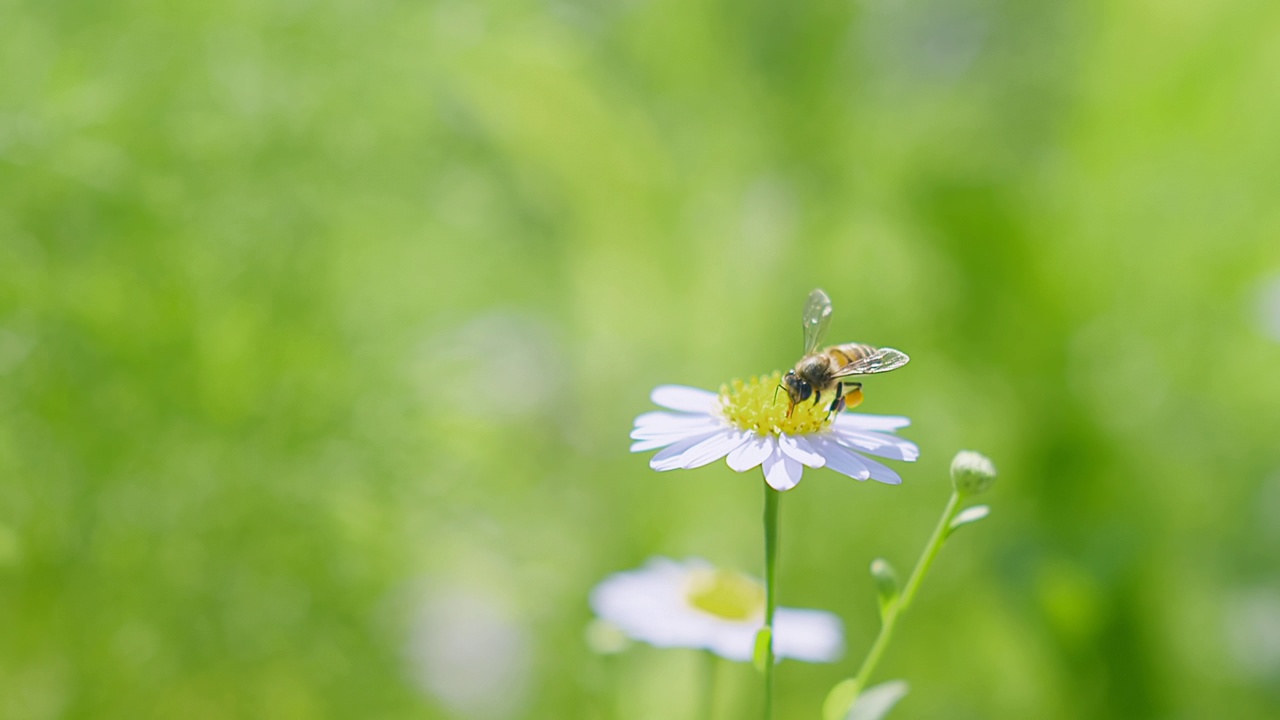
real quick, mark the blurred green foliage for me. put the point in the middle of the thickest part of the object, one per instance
(322, 326)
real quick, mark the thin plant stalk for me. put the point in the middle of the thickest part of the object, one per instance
(771, 497)
(903, 600)
(711, 667)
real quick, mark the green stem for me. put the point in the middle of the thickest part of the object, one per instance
(903, 601)
(770, 588)
(712, 670)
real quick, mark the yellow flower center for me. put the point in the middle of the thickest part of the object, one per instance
(762, 405)
(725, 594)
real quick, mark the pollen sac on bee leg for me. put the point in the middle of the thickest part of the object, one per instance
(851, 399)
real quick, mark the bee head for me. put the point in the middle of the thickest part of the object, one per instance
(798, 389)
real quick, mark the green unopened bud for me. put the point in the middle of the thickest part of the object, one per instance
(886, 579)
(972, 473)
(886, 583)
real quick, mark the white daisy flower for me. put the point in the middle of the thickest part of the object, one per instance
(747, 423)
(691, 604)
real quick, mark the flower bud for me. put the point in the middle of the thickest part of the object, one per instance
(886, 584)
(886, 579)
(972, 473)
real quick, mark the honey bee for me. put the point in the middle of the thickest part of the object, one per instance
(821, 372)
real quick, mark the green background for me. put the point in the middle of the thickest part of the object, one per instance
(323, 325)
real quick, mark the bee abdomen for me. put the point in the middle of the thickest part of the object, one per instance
(849, 352)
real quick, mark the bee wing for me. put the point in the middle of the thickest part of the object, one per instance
(817, 316)
(878, 361)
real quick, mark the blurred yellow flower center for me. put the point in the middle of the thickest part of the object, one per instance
(760, 405)
(730, 595)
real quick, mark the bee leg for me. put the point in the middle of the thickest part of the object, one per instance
(838, 404)
(846, 391)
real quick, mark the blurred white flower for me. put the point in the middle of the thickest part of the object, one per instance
(1268, 307)
(516, 347)
(749, 426)
(467, 651)
(692, 604)
(1252, 620)
(14, 348)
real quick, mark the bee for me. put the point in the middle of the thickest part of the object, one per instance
(822, 372)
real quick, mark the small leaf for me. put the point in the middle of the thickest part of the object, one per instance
(886, 584)
(967, 516)
(878, 700)
(761, 654)
(840, 699)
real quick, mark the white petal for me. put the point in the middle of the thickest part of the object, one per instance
(751, 453)
(648, 603)
(859, 421)
(842, 459)
(653, 443)
(781, 471)
(668, 458)
(684, 429)
(809, 635)
(732, 640)
(651, 604)
(664, 418)
(799, 448)
(711, 449)
(890, 446)
(686, 399)
(691, 455)
(652, 437)
(882, 473)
